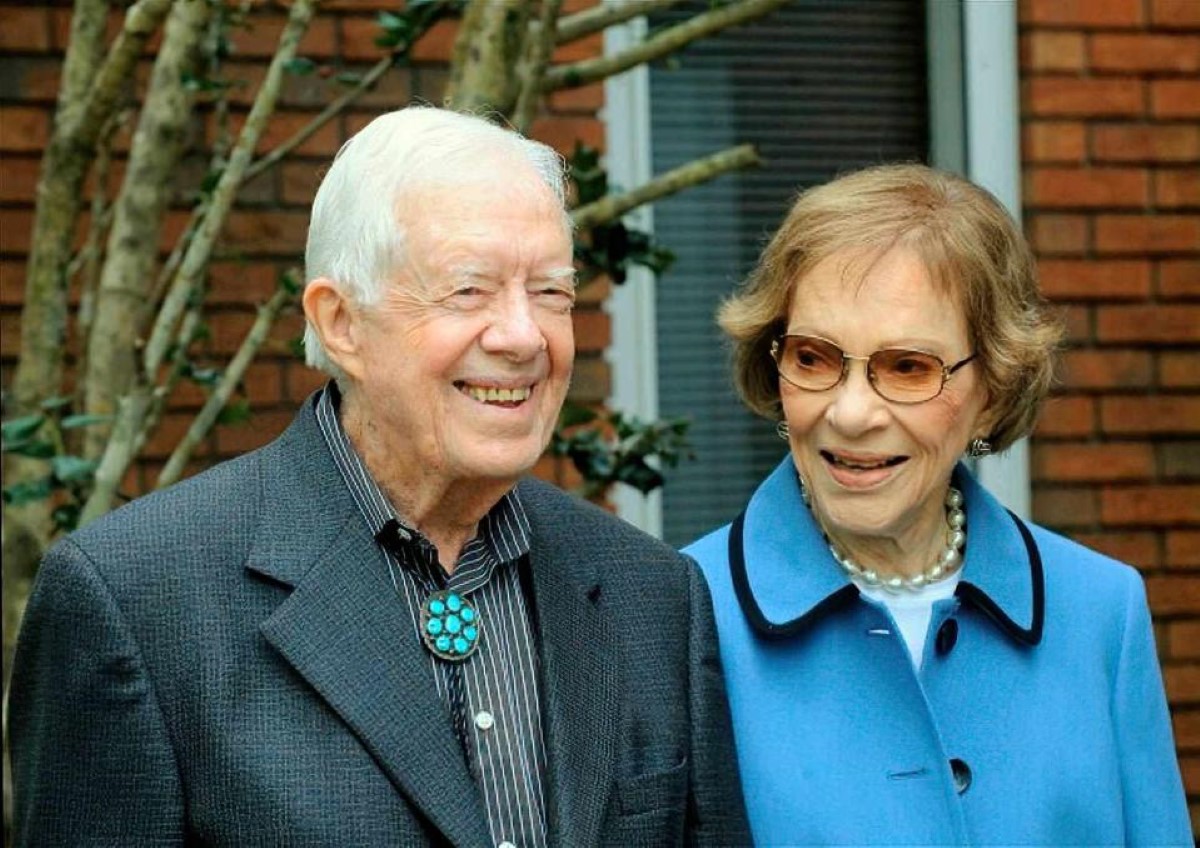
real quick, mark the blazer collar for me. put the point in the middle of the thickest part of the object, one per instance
(344, 630)
(776, 537)
(580, 681)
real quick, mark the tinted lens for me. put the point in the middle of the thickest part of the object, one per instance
(810, 363)
(906, 375)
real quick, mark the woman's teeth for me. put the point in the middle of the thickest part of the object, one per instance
(861, 465)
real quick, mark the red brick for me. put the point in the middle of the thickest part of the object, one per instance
(1043, 50)
(1077, 320)
(1144, 53)
(581, 48)
(1179, 278)
(563, 133)
(1085, 13)
(12, 283)
(1069, 279)
(1080, 463)
(1177, 187)
(1065, 508)
(263, 426)
(36, 78)
(1107, 369)
(1136, 548)
(300, 181)
(593, 331)
(1183, 548)
(1084, 98)
(437, 45)
(1179, 370)
(1158, 414)
(1138, 234)
(358, 39)
(1087, 187)
(1179, 461)
(260, 37)
(1174, 98)
(24, 128)
(18, 178)
(588, 99)
(263, 384)
(1157, 505)
(241, 283)
(1186, 724)
(282, 126)
(1053, 141)
(1057, 235)
(24, 30)
(1175, 13)
(302, 381)
(1189, 769)
(1067, 416)
(1145, 143)
(15, 226)
(1183, 640)
(1152, 324)
(266, 233)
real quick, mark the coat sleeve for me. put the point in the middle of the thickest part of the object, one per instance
(717, 811)
(1154, 804)
(92, 761)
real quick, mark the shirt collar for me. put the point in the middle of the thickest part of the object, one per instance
(504, 530)
(777, 535)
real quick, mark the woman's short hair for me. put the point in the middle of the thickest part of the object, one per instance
(356, 237)
(971, 247)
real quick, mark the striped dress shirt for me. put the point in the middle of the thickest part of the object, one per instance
(492, 697)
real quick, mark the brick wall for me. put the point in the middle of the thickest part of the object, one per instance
(265, 234)
(1111, 148)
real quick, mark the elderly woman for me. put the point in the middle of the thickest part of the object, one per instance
(909, 663)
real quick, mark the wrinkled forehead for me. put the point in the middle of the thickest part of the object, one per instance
(855, 265)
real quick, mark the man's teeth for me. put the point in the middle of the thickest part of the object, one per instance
(490, 394)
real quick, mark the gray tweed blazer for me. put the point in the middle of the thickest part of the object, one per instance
(223, 663)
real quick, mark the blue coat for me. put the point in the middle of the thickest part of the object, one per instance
(1038, 716)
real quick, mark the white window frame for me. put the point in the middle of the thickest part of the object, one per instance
(975, 129)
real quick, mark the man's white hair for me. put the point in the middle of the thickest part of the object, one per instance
(355, 235)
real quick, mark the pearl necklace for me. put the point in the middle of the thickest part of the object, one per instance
(949, 561)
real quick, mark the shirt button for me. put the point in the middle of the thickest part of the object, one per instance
(962, 775)
(485, 721)
(947, 636)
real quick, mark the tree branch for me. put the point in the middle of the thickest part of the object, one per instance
(487, 47)
(219, 399)
(535, 56)
(663, 44)
(700, 171)
(602, 16)
(124, 443)
(195, 261)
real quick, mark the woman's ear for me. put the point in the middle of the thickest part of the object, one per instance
(335, 319)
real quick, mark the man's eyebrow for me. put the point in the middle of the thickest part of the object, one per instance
(566, 272)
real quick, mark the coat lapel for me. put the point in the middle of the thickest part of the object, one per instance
(580, 680)
(345, 630)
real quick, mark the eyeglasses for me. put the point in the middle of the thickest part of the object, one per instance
(901, 376)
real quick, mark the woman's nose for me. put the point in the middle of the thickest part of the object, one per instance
(856, 407)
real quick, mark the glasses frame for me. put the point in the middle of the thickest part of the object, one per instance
(948, 371)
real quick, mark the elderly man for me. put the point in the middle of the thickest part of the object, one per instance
(369, 632)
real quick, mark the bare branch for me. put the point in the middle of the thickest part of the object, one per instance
(124, 444)
(195, 260)
(485, 51)
(535, 56)
(702, 170)
(85, 50)
(218, 400)
(663, 44)
(600, 17)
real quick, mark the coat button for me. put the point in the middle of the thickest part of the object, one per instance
(947, 636)
(962, 775)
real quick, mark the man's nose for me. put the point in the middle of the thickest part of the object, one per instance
(855, 407)
(513, 330)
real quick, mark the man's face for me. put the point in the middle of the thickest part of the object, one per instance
(464, 364)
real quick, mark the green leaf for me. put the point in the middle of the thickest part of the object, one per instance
(86, 419)
(235, 412)
(300, 66)
(35, 449)
(289, 281)
(296, 347)
(73, 469)
(348, 78)
(66, 517)
(573, 415)
(32, 490)
(19, 429)
(56, 402)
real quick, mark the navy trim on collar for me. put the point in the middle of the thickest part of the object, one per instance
(977, 597)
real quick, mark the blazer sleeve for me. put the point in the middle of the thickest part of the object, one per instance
(1155, 807)
(92, 761)
(717, 811)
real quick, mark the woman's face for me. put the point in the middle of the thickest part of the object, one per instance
(875, 469)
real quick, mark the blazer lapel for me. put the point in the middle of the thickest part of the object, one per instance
(580, 685)
(345, 630)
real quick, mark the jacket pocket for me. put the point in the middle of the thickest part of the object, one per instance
(652, 791)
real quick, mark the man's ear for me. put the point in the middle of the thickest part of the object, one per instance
(333, 316)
